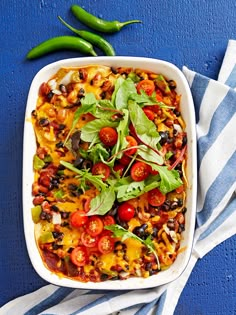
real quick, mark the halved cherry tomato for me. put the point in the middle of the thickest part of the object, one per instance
(131, 143)
(147, 86)
(126, 211)
(106, 244)
(79, 256)
(156, 198)
(78, 218)
(125, 160)
(108, 136)
(101, 169)
(150, 114)
(119, 168)
(88, 240)
(94, 226)
(108, 220)
(139, 171)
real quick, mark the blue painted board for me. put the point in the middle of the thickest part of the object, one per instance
(192, 33)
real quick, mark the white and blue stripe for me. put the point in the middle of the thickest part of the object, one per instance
(215, 107)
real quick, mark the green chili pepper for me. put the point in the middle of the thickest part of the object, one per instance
(61, 43)
(94, 39)
(98, 24)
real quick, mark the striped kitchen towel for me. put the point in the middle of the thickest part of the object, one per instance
(215, 105)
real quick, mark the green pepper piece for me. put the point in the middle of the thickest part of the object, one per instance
(47, 159)
(35, 212)
(38, 164)
(134, 77)
(46, 237)
(162, 84)
(59, 194)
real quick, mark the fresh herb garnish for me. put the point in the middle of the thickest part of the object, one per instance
(119, 231)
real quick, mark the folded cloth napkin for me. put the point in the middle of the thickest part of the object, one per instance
(215, 106)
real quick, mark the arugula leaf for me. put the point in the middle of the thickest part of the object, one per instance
(119, 231)
(97, 153)
(84, 176)
(126, 88)
(118, 83)
(103, 202)
(89, 132)
(122, 131)
(149, 155)
(143, 99)
(129, 189)
(170, 179)
(145, 128)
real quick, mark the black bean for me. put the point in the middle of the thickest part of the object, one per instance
(104, 277)
(75, 140)
(174, 205)
(56, 246)
(154, 231)
(181, 228)
(184, 210)
(114, 70)
(172, 84)
(43, 122)
(50, 95)
(164, 137)
(34, 113)
(148, 266)
(103, 95)
(64, 214)
(61, 126)
(81, 92)
(87, 164)
(55, 208)
(72, 187)
(62, 88)
(57, 235)
(180, 202)
(176, 112)
(184, 141)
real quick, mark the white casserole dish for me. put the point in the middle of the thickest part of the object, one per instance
(29, 147)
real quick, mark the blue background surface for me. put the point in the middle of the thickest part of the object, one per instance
(192, 33)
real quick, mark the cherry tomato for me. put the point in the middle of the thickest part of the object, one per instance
(88, 240)
(147, 86)
(108, 220)
(78, 218)
(106, 244)
(101, 169)
(126, 211)
(180, 189)
(119, 168)
(125, 160)
(154, 108)
(150, 114)
(94, 226)
(156, 198)
(139, 171)
(108, 136)
(79, 256)
(131, 143)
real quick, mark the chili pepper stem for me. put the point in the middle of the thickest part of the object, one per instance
(122, 24)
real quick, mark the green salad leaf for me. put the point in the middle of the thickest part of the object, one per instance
(119, 231)
(103, 202)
